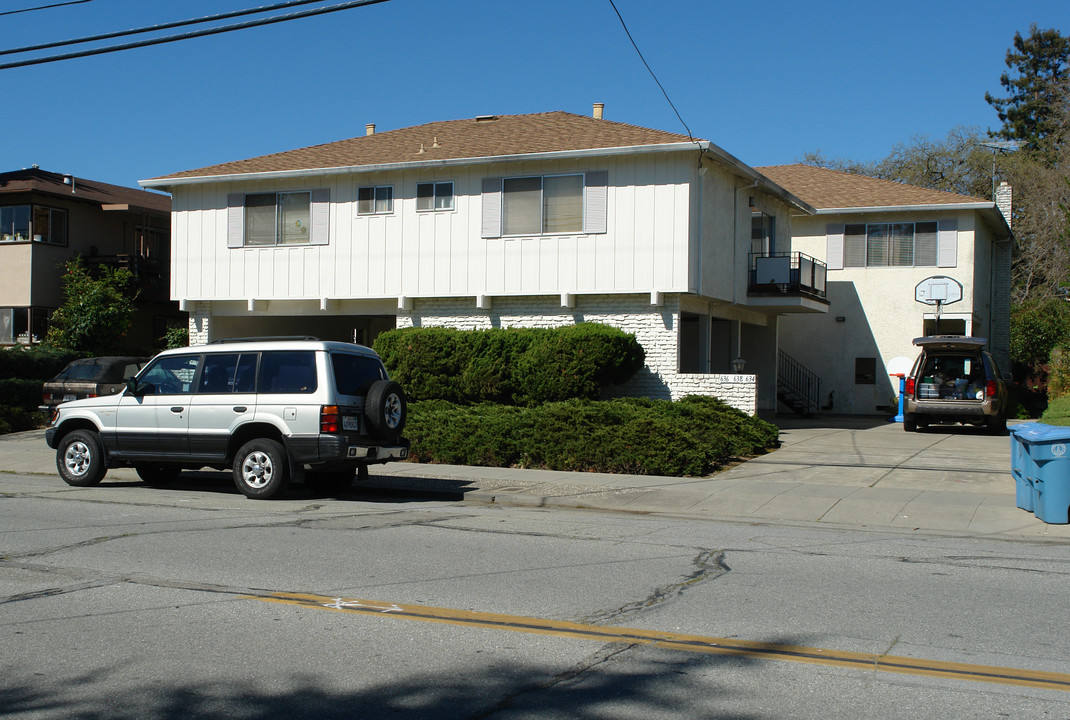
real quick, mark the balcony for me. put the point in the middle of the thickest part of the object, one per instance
(150, 276)
(787, 282)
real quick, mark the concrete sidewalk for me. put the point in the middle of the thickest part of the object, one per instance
(843, 471)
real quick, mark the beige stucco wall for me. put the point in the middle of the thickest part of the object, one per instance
(880, 314)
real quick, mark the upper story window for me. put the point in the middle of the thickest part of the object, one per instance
(278, 218)
(890, 245)
(378, 200)
(434, 196)
(899, 244)
(545, 204)
(21, 223)
(282, 218)
(542, 205)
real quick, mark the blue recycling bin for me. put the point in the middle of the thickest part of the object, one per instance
(1021, 470)
(1047, 468)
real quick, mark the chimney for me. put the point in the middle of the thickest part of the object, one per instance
(1003, 201)
(369, 129)
(597, 113)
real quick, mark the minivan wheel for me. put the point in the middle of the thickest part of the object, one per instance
(80, 459)
(910, 424)
(996, 425)
(261, 469)
(386, 409)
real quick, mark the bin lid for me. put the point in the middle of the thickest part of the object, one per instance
(1039, 432)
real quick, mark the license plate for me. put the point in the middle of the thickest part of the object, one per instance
(68, 397)
(351, 423)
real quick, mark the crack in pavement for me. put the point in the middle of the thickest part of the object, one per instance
(709, 564)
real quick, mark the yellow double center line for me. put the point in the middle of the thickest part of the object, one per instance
(677, 641)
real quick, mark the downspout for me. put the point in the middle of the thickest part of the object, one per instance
(735, 261)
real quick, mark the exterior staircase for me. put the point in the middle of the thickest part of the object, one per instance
(796, 386)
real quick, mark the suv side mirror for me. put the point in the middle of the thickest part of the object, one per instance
(137, 390)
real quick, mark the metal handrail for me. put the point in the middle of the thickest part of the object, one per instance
(800, 381)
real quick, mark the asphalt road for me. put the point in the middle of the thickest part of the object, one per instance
(125, 601)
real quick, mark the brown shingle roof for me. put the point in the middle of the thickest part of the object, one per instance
(832, 189)
(50, 183)
(472, 138)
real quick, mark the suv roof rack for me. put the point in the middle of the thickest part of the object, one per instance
(265, 338)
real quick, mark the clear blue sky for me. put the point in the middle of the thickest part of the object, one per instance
(767, 81)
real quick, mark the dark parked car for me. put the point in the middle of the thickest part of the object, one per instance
(955, 380)
(89, 377)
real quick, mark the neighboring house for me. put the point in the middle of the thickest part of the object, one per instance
(496, 221)
(880, 239)
(48, 218)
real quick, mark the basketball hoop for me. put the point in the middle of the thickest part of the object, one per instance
(938, 290)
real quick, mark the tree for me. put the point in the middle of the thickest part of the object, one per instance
(1040, 65)
(96, 312)
(958, 164)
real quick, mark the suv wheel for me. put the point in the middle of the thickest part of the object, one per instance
(910, 424)
(157, 474)
(386, 409)
(80, 459)
(261, 469)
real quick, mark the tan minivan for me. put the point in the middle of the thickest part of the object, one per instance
(955, 380)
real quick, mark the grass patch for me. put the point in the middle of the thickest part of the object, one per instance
(1058, 412)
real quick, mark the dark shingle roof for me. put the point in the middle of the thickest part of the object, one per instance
(832, 189)
(473, 138)
(50, 183)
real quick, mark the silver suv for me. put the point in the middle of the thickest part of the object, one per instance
(269, 409)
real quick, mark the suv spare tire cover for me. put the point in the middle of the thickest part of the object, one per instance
(386, 409)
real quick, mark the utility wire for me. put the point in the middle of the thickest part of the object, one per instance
(44, 7)
(640, 53)
(154, 28)
(189, 35)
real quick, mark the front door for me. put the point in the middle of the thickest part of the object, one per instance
(155, 419)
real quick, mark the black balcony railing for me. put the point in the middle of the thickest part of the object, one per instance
(149, 274)
(788, 273)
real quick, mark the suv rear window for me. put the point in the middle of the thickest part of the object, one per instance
(288, 372)
(952, 376)
(354, 374)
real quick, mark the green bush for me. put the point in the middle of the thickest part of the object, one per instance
(1059, 373)
(17, 419)
(20, 393)
(39, 362)
(693, 436)
(1037, 327)
(523, 366)
(1058, 412)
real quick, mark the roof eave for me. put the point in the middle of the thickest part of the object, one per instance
(168, 182)
(929, 207)
(746, 171)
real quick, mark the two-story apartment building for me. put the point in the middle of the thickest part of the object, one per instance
(47, 218)
(498, 221)
(880, 240)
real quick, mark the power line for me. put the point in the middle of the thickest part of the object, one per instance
(640, 53)
(189, 35)
(44, 7)
(154, 28)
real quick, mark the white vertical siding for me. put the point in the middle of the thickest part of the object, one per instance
(442, 254)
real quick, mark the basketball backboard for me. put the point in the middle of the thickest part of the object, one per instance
(938, 290)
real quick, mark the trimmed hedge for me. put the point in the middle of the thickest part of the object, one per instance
(694, 436)
(522, 366)
(1058, 412)
(34, 363)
